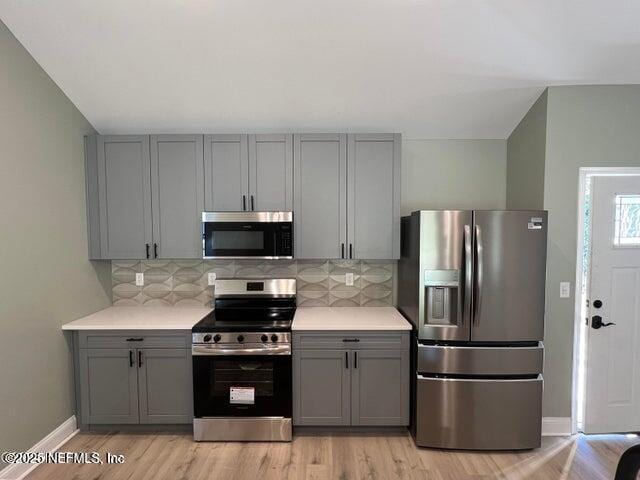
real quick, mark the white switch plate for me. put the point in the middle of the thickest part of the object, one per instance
(349, 279)
(139, 279)
(211, 278)
(565, 289)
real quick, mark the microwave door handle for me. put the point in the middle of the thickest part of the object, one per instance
(479, 275)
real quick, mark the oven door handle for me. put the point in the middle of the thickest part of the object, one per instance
(214, 350)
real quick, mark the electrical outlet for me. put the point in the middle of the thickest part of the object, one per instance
(349, 279)
(565, 289)
(211, 278)
(139, 279)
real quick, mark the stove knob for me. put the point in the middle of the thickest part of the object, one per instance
(217, 338)
(264, 338)
(207, 338)
(274, 338)
(240, 338)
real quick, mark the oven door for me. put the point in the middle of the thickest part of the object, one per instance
(242, 385)
(247, 235)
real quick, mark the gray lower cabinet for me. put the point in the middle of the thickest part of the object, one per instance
(165, 385)
(134, 385)
(322, 387)
(379, 387)
(363, 385)
(108, 386)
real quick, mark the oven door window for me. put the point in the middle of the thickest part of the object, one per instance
(222, 239)
(242, 385)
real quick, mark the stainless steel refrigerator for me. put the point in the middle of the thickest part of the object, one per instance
(473, 285)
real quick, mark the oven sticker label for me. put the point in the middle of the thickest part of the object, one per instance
(242, 395)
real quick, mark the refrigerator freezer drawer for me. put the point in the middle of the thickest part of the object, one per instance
(479, 414)
(469, 360)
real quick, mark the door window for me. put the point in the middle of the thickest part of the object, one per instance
(627, 220)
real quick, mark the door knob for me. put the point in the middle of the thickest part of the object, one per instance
(596, 322)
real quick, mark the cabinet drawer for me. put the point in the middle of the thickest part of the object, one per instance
(352, 340)
(134, 339)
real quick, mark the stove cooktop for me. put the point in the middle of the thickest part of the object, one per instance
(218, 321)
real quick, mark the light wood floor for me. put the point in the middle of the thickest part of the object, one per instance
(332, 456)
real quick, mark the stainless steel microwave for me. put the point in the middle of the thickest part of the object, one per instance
(247, 235)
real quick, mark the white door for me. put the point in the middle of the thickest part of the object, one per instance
(613, 351)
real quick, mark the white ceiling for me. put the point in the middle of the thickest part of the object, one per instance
(426, 68)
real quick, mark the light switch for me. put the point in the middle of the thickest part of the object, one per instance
(349, 279)
(565, 289)
(139, 279)
(211, 278)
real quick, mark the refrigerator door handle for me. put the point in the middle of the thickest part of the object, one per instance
(468, 274)
(479, 272)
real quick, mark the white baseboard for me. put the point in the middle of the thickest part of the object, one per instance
(50, 443)
(556, 426)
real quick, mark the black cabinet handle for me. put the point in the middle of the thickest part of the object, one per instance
(135, 339)
(244, 203)
(155, 250)
(252, 207)
(350, 250)
(350, 340)
(342, 250)
(355, 359)
(139, 358)
(146, 247)
(131, 358)
(346, 359)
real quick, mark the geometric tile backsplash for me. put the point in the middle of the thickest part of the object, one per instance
(319, 282)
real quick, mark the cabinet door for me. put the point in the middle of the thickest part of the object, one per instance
(226, 173)
(321, 390)
(271, 172)
(124, 185)
(373, 227)
(177, 175)
(166, 385)
(108, 385)
(320, 199)
(380, 387)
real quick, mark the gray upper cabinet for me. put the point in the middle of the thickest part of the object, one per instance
(347, 196)
(108, 386)
(226, 170)
(177, 175)
(373, 405)
(124, 190)
(166, 386)
(270, 172)
(373, 196)
(320, 195)
(322, 393)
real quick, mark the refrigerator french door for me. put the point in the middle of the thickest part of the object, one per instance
(472, 282)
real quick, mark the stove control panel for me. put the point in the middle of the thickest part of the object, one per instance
(244, 337)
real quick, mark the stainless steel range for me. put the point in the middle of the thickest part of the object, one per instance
(242, 362)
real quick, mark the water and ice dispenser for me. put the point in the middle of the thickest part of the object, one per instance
(442, 297)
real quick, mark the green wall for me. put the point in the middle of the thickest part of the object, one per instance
(586, 126)
(46, 278)
(525, 159)
(453, 174)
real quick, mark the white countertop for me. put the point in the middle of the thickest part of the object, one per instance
(349, 318)
(140, 318)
